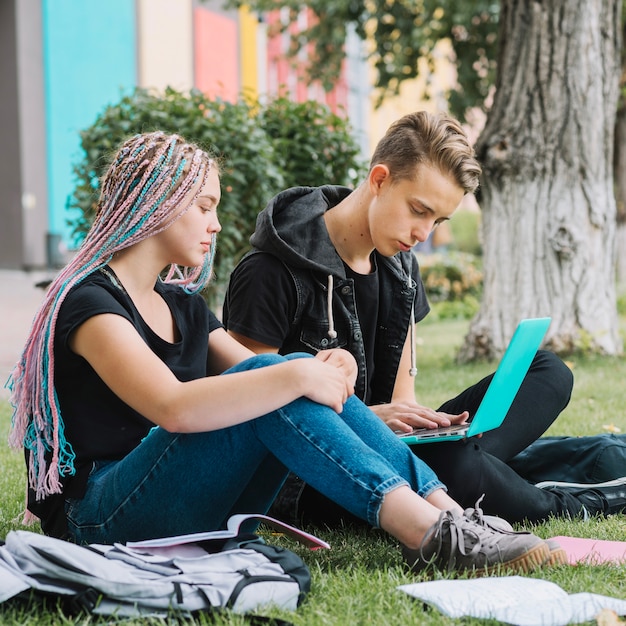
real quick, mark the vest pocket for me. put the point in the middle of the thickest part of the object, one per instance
(314, 335)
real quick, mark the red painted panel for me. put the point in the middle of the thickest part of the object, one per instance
(216, 55)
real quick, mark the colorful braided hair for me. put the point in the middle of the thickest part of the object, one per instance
(141, 195)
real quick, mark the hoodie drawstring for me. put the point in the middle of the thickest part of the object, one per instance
(332, 333)
(413, 368)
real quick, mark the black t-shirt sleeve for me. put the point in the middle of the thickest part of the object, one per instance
(260, 301)
(422, 307)
(214, 323)
(82, 303)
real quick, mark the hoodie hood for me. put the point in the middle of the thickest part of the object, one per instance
(291, 227)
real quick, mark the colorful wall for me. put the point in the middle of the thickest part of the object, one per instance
(89, 59)
(92, 53)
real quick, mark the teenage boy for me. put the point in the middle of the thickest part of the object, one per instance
(333, 267)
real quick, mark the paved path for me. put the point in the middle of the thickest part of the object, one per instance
(19, 300)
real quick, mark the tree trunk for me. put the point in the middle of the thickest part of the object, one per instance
(619, 171)
(547, 188)
(620, 193)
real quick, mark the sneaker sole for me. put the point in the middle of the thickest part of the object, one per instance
(617, 482)
(533, 559)
(540, 556)
(558, 556)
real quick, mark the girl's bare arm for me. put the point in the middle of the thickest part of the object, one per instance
(138, 377)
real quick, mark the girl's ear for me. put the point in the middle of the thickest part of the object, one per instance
(378, 175)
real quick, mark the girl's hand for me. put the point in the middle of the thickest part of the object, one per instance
(404, 416)
(322, 382)
(342, 360)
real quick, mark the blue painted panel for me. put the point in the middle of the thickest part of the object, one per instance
(90, 61)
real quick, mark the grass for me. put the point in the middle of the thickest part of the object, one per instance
(355, 582)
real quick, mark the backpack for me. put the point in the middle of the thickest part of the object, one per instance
(241, 573)
(589, 459)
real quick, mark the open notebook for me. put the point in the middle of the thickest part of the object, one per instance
(501, 391)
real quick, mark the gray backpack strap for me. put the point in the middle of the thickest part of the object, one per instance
(288, 566)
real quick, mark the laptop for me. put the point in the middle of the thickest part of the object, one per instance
(501, 391)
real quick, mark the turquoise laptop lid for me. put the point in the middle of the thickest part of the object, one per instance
(510, 374)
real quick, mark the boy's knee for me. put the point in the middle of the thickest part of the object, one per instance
(554, 371)
(553, 364)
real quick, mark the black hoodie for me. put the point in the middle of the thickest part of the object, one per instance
(291, 229)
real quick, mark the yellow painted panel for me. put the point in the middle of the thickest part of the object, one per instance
(248, 27)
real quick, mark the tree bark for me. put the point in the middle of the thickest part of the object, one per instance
(549, 213)
(619, 171)
(620, 193)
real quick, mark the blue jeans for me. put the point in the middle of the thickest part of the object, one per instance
(176, 483)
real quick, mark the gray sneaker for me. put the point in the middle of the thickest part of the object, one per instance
(557, 555)
(456, 543)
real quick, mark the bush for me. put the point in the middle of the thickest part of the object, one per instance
(465, 226)
(263, 149)
(311, 143)
(454, 309)
(453, 283)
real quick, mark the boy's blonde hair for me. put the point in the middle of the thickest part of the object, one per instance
(425, 138)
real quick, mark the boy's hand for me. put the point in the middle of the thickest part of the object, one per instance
(404, 416)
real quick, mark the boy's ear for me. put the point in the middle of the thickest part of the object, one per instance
(378, 174)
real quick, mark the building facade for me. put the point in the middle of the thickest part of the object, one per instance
(63, 61)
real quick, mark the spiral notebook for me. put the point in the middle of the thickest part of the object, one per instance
(502, 389)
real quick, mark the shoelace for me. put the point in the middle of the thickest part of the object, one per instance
(476, 514)
(457, 539)
(494, 523)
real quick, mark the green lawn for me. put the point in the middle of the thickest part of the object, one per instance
(355, 582)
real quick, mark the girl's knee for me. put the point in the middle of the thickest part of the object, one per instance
(256, 361)
(264, 360)
(298, 355)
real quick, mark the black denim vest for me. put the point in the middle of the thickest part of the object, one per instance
(309, 330)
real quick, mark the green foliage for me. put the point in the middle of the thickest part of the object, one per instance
(262, 149)
(403, 31)
(451, 276)
(472, 27)
(311, 143)
(465, 227)
(463, 309)
(453, 283)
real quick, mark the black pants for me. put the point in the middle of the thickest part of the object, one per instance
(478, 466)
